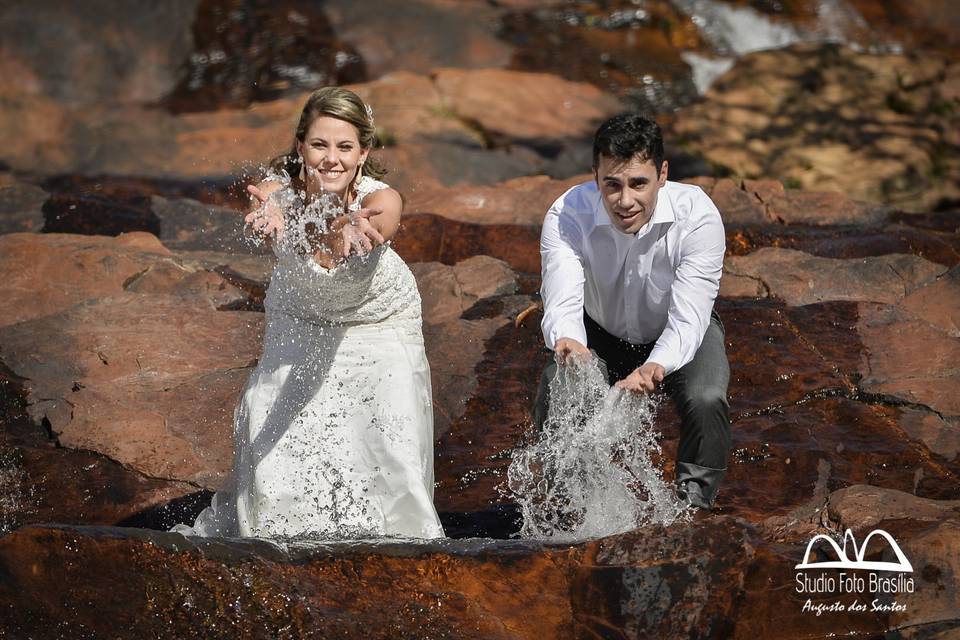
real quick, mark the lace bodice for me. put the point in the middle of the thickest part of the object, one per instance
(366, 186)
(360, 290)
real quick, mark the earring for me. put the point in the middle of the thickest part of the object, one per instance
(303, 167)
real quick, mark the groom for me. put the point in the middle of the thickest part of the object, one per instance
(631, 265)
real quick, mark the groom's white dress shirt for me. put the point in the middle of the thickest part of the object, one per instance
(658, 284)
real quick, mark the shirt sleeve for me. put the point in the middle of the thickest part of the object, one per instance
(695, 287)
(562, 278)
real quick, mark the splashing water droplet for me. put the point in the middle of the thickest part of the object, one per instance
(590, 472)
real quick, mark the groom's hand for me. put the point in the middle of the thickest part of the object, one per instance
(644, 379)
(566, 349)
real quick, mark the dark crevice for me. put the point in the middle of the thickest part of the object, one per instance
(136, 276)
(856, 395)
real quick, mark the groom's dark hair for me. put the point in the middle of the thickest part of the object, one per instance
(627, 135)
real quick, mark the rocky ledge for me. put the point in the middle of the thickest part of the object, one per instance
(714, 578)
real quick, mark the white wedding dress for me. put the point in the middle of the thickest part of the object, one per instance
(334, 431)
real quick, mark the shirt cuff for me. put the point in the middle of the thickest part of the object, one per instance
(661, 356)
(572, 330)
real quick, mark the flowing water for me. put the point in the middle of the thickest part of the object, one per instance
(734, 31)
(590, 473)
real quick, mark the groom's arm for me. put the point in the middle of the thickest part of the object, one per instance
(562, 282)
(695, 287)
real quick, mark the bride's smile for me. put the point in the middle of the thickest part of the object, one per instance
(332, 154)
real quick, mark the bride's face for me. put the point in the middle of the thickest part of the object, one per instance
(332, 148)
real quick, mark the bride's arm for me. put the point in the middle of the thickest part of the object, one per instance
(390, 205)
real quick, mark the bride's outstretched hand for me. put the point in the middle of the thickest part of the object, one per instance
(265, 217)
(357, 234)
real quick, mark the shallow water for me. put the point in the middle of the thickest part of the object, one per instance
(589, 473)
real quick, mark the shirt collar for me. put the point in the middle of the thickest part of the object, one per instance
(662, 214)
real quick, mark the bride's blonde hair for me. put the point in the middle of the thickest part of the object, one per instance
(342, 104)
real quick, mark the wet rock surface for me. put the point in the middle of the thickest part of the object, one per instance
(692, 580)
(465, 589)
(134, 310)
(255, 51)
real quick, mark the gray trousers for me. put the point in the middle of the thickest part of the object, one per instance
(699, 390)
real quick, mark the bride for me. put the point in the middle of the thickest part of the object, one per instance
(334, 431)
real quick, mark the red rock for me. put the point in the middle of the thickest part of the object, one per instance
(519, 201)
(49, 273)
(926, 24)
(863, 507)
(172, 279)
(848, 242)
(408, 106)
(733, 285)
(49, 138)
(430, 238)
(455, 347)
(858, 443)
(143, 379)
(93, 215)
(940, 435)
(937, 303)
(472, 457)
(489, 590)
(909, 359)
(799, 278)
(935, 554)
(787, 364)
(812, 207)
(548, 108)
(448, 291)
(765, 190)
(43, 482)
(418, 35)
(746, 202)
(736, 205)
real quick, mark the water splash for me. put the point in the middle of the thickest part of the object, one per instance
(303, 222)
(590, 473)
(734, 31)
(16, 493)
(307, 223)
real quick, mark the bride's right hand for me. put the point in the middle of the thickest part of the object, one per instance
(265, 217)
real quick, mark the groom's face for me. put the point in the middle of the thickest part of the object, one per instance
(629, 189)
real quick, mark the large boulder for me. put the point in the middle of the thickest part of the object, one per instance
(144, 379)
(548, 110)
(43, 482)
(799, 278)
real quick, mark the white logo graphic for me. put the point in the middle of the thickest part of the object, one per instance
(845, 562)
